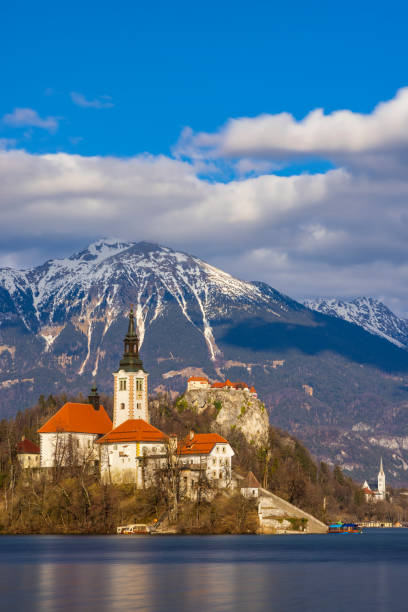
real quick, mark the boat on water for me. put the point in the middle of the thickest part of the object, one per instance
(344, 528)
(135, 529)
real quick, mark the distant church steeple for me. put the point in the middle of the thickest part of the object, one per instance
(131, 361)
(381, 481)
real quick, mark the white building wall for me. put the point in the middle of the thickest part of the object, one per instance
(130, 402)
(29, 460)
(197, 384)
(54, 445)
(251, 492)
(219, 464)
(123, 462)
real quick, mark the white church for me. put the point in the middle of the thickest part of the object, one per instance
(375, 492)
(130, 449)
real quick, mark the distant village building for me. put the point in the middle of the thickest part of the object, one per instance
(131, 450)
(278, 363)
(375, 491)
(308, 390)
(28, 453)
(198, 382)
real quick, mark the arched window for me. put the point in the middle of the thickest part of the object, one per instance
(122, 406)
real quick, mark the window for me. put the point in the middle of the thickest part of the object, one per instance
(122, 406)
(122, 384)
(139, 384)
(214, 461)
(223, 449)
(220, 475)
(77, 442)
(89, 444)
(139, 406)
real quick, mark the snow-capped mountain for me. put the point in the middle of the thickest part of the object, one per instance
(367, 312)
(62, 325)
(99, 284)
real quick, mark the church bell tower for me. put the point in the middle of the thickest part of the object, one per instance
(130, 398)
(381, 481)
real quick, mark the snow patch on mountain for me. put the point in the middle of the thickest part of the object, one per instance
(369, 313)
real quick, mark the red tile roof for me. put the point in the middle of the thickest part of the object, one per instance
(228, 383)
(78, 418)
(26, 447)
(200, 444)
(198, 379)
(252, 390)
(134, 430)
(250, 482)
(240, 385)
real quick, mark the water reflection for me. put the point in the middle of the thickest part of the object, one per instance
(183, 574)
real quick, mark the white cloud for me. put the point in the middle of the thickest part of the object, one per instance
(339, 133)
(341, 232)
(99, 102)
(27, 117)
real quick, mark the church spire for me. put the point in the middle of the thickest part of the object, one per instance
(381, 466)
(131, 361)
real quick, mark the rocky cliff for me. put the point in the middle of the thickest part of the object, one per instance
(235, 409)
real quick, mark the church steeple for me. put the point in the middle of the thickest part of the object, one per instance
(131, 361)
(130, 395)
(381, 481)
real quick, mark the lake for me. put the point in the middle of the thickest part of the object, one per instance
(315, 573)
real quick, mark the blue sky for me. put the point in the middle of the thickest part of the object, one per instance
(169, 65)
(268, 138)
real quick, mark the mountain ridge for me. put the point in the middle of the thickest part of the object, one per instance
(371, 314)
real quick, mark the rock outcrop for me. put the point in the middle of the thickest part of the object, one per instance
(235, 409)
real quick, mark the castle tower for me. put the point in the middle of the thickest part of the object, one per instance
(381, 481)
(130, 381)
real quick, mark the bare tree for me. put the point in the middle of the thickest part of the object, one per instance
(167, 477)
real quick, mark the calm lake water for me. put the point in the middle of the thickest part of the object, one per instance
(367, 572)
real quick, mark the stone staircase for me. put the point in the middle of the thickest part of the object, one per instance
(279, 516)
